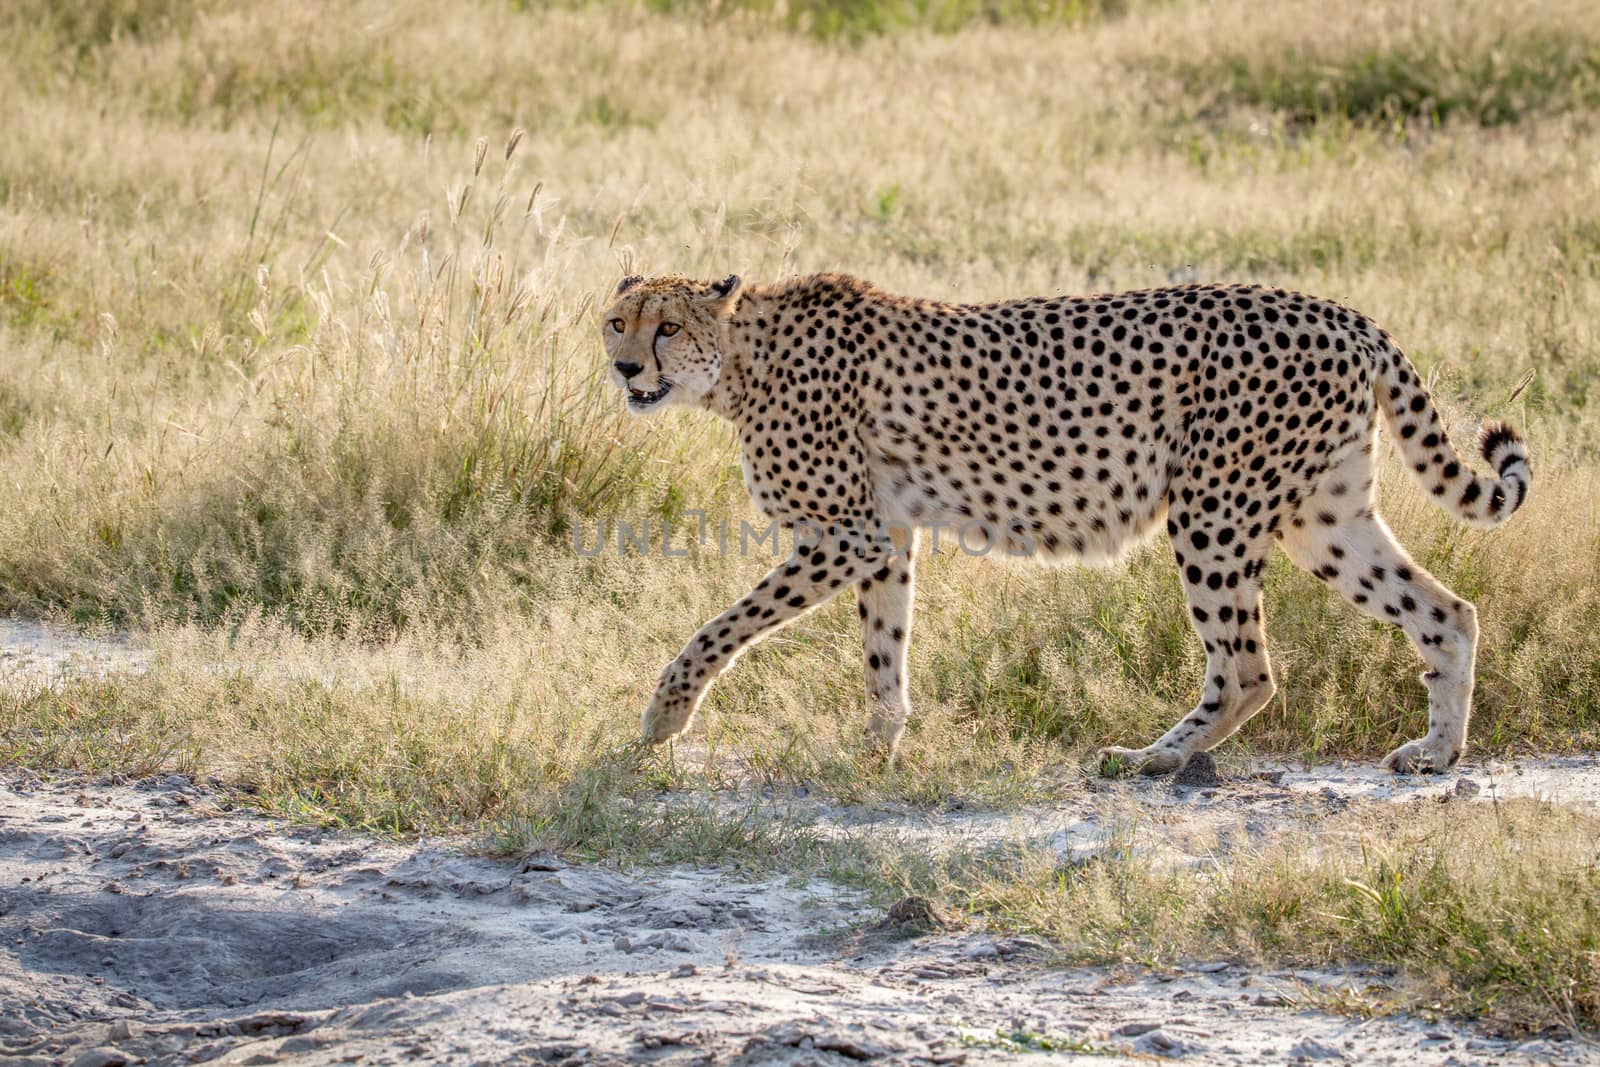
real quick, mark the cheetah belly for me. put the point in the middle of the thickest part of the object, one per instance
(905, 498)
(1094, 524)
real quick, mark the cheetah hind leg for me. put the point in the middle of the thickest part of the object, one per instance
(1360, 559)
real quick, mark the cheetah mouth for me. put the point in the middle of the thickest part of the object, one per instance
(639, 399)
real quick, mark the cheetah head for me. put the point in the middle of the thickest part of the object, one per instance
(664, 338)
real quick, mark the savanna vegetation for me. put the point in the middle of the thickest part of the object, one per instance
(300, 380)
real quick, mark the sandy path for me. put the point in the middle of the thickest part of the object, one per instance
(144, 921)
(33, 653)
(1200, 814)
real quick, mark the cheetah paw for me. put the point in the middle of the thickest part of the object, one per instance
(885, 727)
(666, 718)
(1424, 756)
(1116, 762)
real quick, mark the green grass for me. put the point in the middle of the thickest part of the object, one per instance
(852, 20)
(1496, 84)
(1017, 1041)
(26, 300)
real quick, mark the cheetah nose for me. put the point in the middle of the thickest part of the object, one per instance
(628, 370)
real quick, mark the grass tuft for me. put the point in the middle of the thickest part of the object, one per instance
(1478, 909)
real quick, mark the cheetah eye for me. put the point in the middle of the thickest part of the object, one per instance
(618, 325)
(668, 329)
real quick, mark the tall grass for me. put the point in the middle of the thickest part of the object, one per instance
(853, 20)
(295, 328)
(394, 447)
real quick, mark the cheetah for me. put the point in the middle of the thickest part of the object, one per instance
(1067, 428)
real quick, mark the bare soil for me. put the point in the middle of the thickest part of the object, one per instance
(149, 921)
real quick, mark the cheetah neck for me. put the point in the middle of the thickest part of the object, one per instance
(736, 341)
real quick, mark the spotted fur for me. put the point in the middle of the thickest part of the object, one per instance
(1067, 428)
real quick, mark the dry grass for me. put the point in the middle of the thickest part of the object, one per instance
(300, 374)
(1473, 909)
(352, 380)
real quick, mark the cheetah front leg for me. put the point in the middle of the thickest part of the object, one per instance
(809, 578)
(1222, 582)
(884, 599)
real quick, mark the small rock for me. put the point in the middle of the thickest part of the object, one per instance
(854, 1048)
(1312, 1049)
(623, 943)
(916, 914)
(273, 1022)
(1466, 787)
(121, 1030)
(1199, 772)
(685, 970)
(1157, 1043)
(1018, 946)
(104, 1056)
(176, 781)
(663, 939)
(1135, 1029)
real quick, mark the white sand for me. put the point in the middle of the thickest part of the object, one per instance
(142, 920)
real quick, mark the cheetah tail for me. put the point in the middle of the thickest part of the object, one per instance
(1414, 421)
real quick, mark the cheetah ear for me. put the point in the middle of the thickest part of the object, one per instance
(725, 294)
(628, 283)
